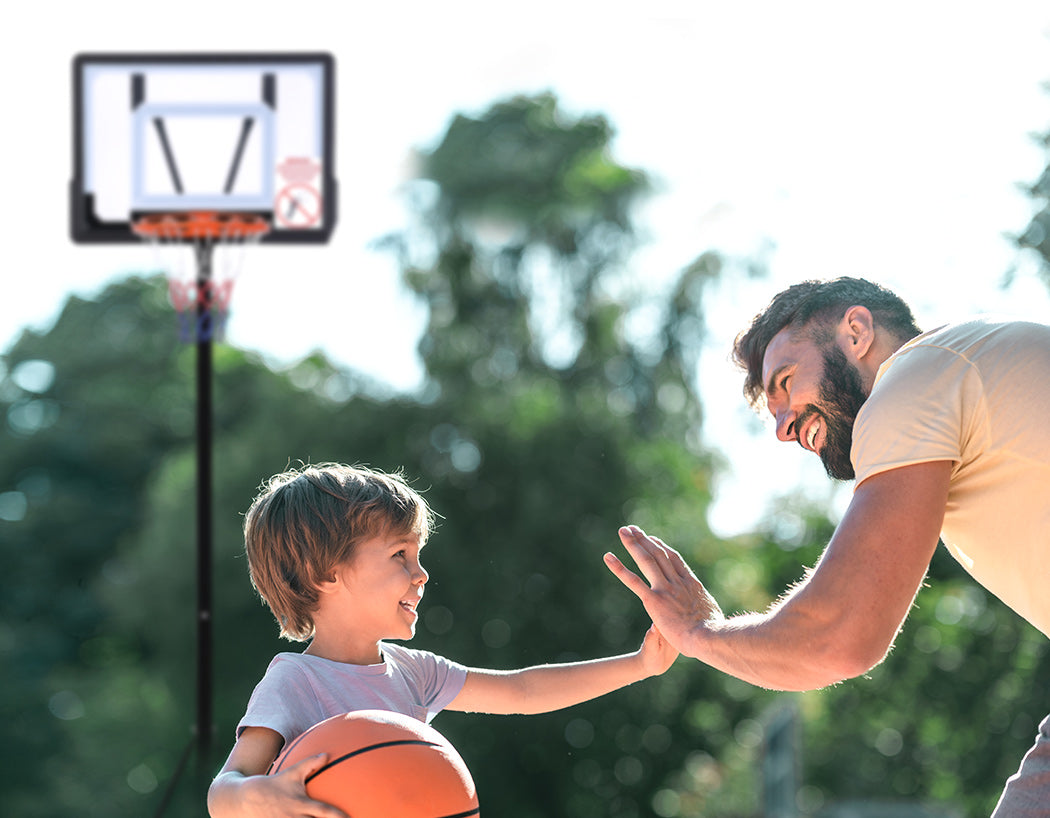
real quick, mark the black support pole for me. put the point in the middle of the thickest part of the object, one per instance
(205, 333)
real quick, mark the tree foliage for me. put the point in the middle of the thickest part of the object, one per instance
(547, 419)
(1036, 236)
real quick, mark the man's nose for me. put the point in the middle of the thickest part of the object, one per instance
(786, 430)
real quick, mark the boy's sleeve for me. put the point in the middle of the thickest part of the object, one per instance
(282, 701)
(438, 680)
(448, 679)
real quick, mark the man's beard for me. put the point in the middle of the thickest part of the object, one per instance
(841, 396)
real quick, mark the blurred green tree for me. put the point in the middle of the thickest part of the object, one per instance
(945, 719)
(542, 426)
(551, 413)
(92, 408)
(1036, 236)
(949, 714)
(553, 426)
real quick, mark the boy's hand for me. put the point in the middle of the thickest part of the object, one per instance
(284, 795)
(656, 653)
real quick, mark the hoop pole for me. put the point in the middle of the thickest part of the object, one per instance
(204, 509)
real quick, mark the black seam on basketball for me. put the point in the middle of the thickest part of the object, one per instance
(361, 750)
(474, 811)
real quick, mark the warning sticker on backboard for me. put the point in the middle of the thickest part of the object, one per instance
(298, 206)
(298, 203)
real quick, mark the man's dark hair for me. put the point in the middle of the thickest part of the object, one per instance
(815, 306)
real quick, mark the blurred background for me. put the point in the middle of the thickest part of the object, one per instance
(552, 222)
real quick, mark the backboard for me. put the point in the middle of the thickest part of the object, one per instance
(224, 132)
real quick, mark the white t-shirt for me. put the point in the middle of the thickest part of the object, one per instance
(976, 393)
(300, 690)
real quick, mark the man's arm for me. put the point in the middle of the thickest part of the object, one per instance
(837, 622)
(544, 688)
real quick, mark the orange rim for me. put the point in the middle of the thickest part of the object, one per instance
(200, 225)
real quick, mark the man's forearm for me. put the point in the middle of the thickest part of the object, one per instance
(786, 648)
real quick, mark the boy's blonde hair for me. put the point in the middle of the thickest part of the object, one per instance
(307, 521)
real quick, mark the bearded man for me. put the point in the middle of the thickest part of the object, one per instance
(947, 434)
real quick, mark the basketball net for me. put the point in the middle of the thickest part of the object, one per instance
(200, 283)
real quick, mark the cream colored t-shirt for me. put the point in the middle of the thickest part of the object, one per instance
(976, 393)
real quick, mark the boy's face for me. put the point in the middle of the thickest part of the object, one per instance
(383, 584)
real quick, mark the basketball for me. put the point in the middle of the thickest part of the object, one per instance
(384, 765)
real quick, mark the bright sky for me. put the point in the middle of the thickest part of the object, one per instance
(887, 141)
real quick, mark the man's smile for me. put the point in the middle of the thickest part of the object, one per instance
(808, 439)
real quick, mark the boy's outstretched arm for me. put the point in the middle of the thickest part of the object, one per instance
(544, 688)
(242, 787)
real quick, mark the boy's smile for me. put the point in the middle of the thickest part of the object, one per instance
(373, 596)
(410, 604)
(382, 577)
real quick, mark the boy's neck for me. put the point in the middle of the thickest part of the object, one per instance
(342, 651)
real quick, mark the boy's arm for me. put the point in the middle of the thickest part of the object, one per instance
(551, 687)
(242, 787)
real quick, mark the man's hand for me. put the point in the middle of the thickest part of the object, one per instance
(674, 598)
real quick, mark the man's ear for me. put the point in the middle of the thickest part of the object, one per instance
(857, 332)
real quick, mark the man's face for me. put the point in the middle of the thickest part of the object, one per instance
(814, 392)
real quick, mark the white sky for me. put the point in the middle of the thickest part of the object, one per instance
(887, 141)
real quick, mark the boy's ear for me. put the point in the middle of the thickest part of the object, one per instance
(329, 584)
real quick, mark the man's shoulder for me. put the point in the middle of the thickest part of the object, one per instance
(976, 331)
(977, 342)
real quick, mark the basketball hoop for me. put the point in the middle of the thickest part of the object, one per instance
(201, 290)
(201, 149)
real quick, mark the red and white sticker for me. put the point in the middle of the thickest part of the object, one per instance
(298, 204)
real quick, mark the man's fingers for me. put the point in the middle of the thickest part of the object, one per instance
(658, 561)
(647, 553)
(676, 561)
(633, 582)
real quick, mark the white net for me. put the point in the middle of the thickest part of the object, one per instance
(202, 267)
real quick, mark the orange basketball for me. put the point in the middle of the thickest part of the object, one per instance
(384, 765)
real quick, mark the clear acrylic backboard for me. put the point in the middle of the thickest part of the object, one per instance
(223, 133)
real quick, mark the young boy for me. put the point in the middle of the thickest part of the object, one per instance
(334, 551)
